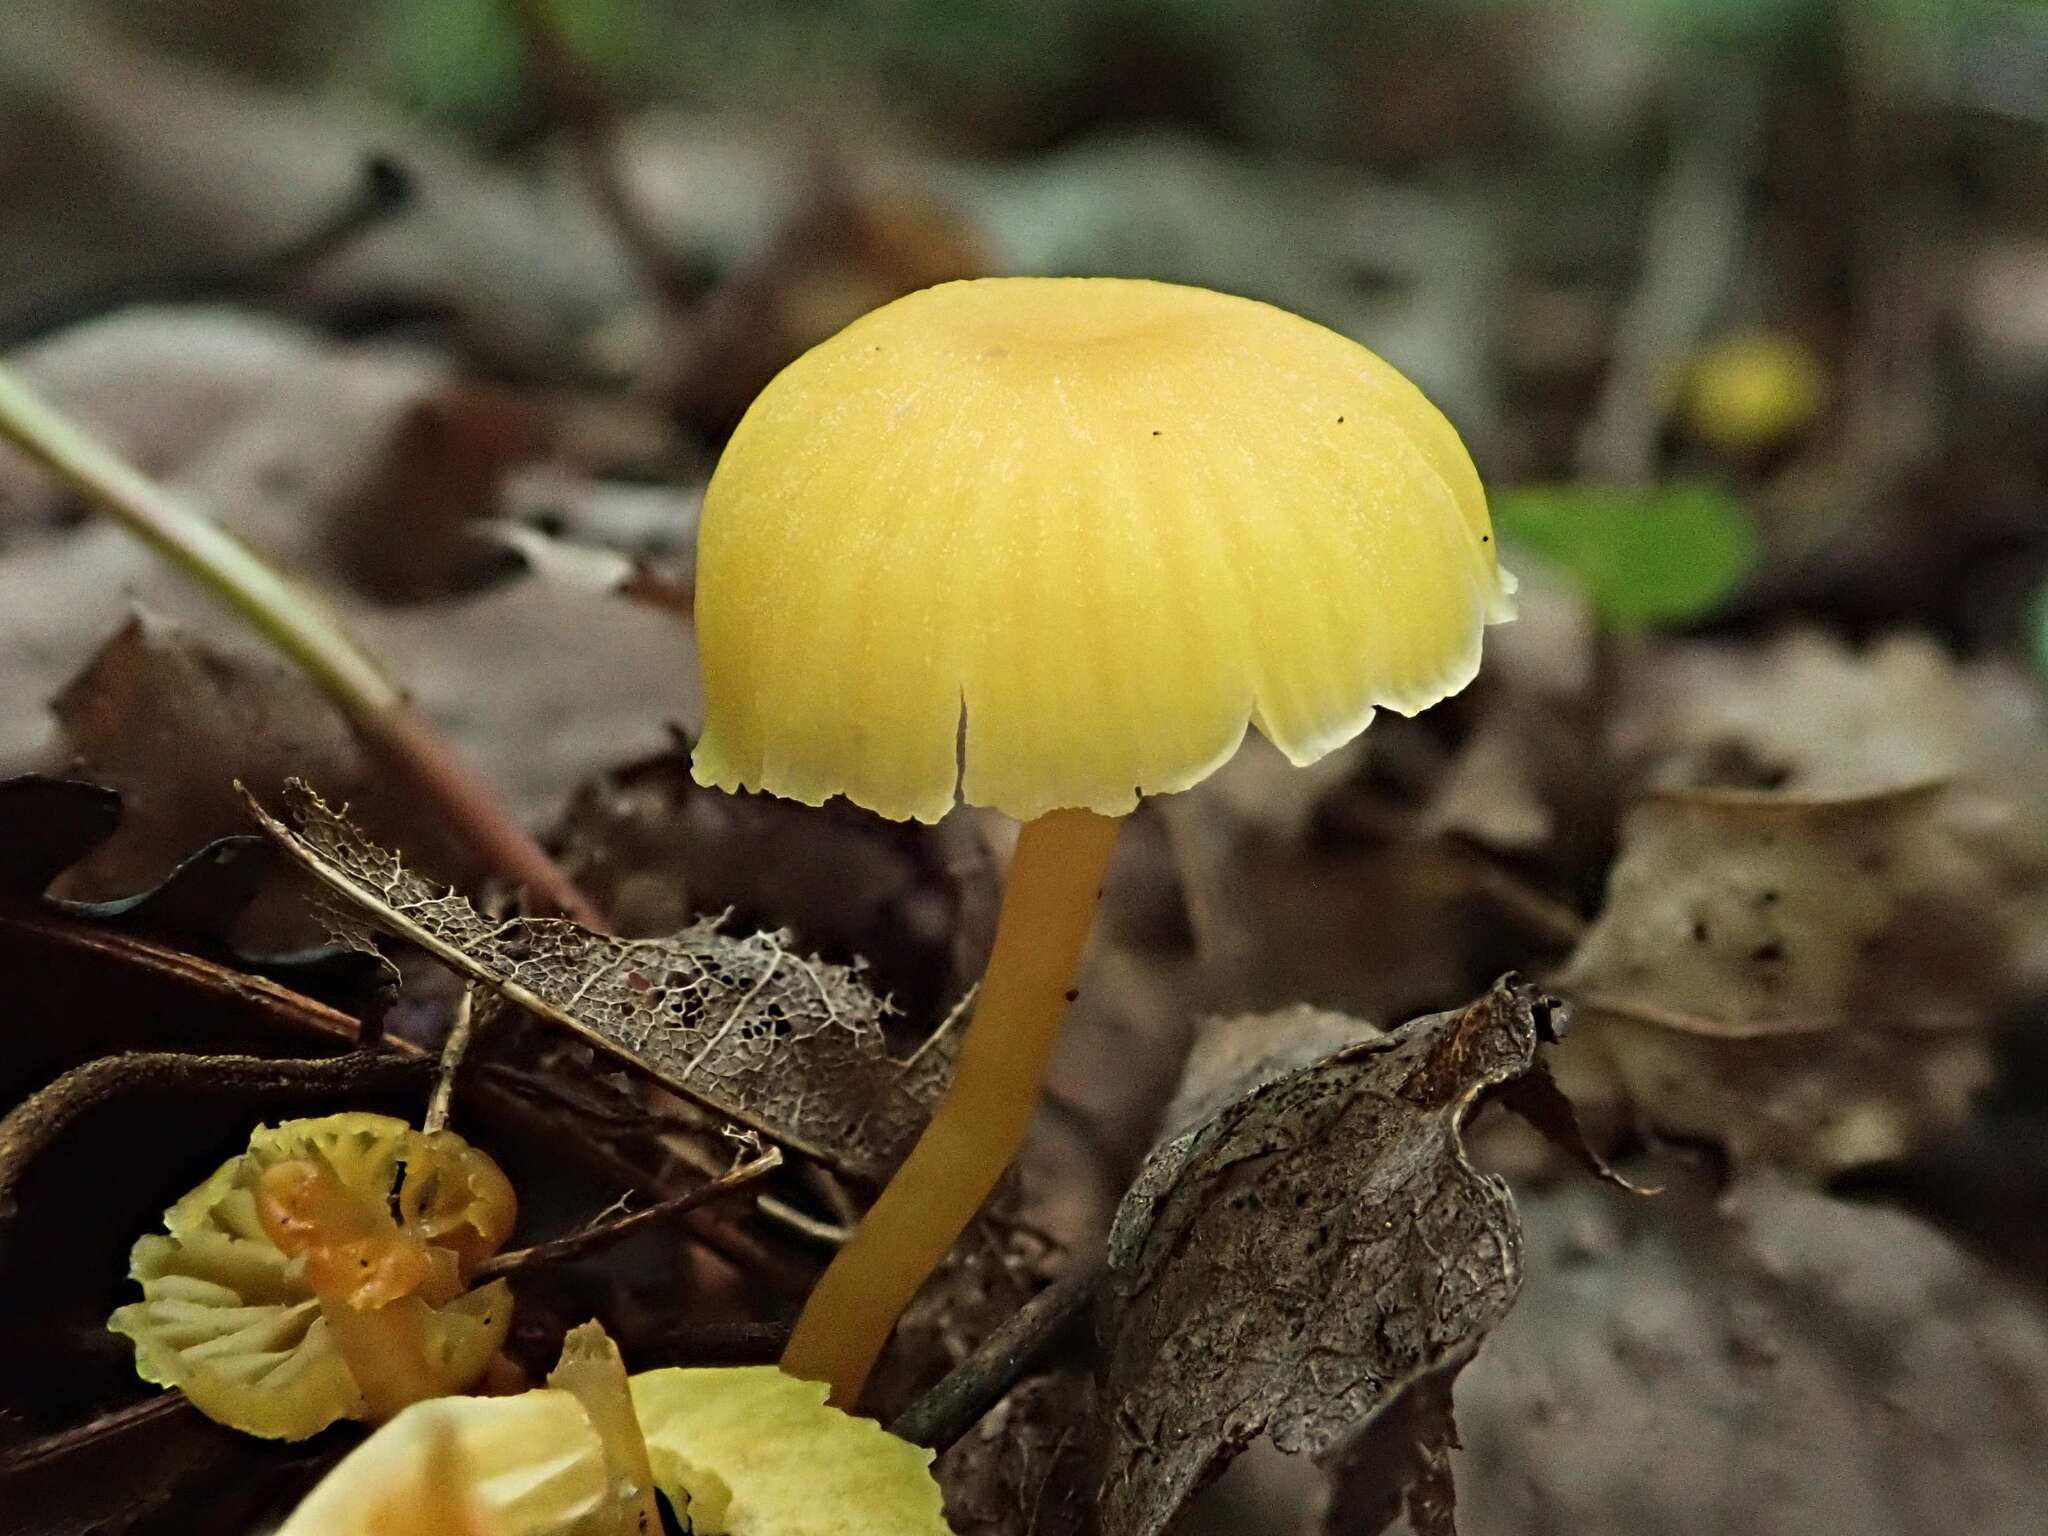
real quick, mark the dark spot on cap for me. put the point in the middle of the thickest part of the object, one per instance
(1073, 993)
(1699, 933)
(1764, 954)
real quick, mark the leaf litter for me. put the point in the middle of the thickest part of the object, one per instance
(1298, 1258)
(771, 1039)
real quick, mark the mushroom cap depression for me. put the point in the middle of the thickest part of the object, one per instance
(1068, 536)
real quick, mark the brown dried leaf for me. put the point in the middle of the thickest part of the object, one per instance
(172, 722)
(778, 1042)
(917, 903)
(850, 251)
(1805, 980)
(1810, 714)
(1295, 1262)
(1024, 1469)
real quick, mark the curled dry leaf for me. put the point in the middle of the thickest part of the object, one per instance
(778, 1042)
(1294, 1262)
(1803, 979)
(170, 721)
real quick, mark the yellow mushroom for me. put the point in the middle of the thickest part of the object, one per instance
(1753, 390)
(323, 1274)
(1051, 544)
(747, 1451)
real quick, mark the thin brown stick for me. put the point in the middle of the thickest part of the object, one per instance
(382, 715)
(1692, 242)
(577, 1244)
(453, 1049)
(1015, 1350)
(80, 1437)
(30, 1127)
(571, 92)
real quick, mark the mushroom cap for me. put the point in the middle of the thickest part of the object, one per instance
(1055, 541)
(228, 1318)
(745, 1450)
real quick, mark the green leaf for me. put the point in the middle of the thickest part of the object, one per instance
(1648, 556)
(2041, 631)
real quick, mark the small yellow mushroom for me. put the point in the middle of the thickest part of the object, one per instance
(1053, 543)
(1752, 390)
(323, 1274)
(739, 1452)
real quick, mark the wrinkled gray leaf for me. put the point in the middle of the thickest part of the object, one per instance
(1759, 1357)
(1296, 1261)
(777, 1041)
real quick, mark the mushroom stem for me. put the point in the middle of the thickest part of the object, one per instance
(1055, 882)
(366, 1274)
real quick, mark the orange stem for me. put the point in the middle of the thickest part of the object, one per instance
(366, 1274)
(979, 1127)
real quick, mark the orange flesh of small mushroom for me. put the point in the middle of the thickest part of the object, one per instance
(979, 1127)
(366, 1273)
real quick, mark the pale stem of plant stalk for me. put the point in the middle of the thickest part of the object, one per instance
(292, 622)
(979, 1127)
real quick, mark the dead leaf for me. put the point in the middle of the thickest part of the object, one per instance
(271, 427)
(1280, 912)
(1810, 714)
(1025, 1469)
(917, 903)
(591, 568)
(850, 251)
(202, 181)
(1231, 1057)
(1524, 768)
(1763, 1358)
(1805, 980)
(170, 722)
(286, 438)
(1293, 1263)
(771, 1039)
(406, 536)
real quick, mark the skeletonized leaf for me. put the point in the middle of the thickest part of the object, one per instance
(1295, 1262)
(776, 1041)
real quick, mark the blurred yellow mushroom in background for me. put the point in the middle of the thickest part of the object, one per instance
(323, 1274)
(1052, 544)
(1749, 391)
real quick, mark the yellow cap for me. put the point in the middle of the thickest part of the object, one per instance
(1753, 390)
(1075, 533)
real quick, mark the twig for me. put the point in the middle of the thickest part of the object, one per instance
(689, 1342)
(1011, 1353)
(1691, 248)
(380, 712)
(30, 1127)
(453, 1049)
(576, 1244)
(574, 96)
(382, 190)
(79, 1437)
(803, 1224)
